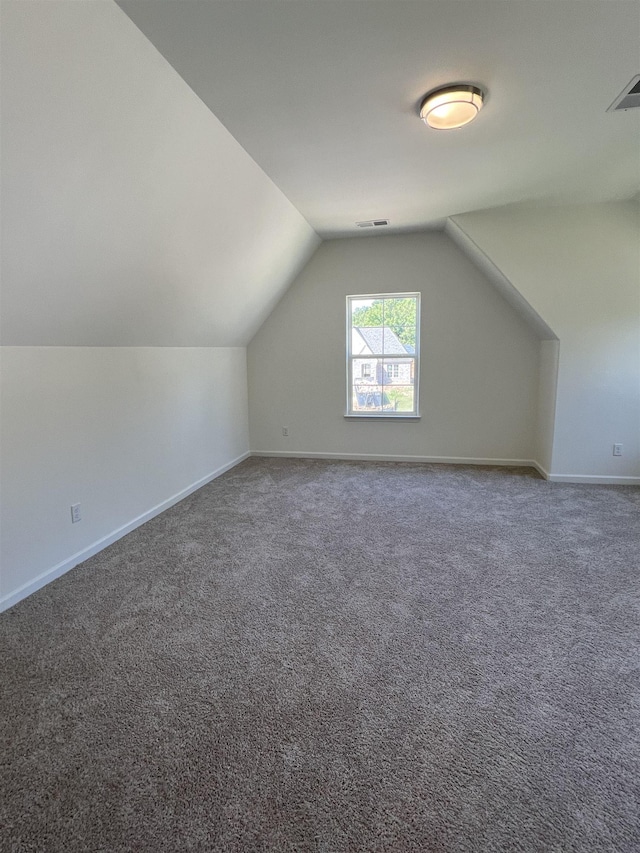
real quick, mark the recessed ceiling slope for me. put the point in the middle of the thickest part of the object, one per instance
(325, 97)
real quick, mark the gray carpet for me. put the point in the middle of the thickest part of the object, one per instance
(326, 656)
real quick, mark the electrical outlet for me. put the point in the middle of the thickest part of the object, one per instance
(285, 431)
(76, 515)
(617, 450)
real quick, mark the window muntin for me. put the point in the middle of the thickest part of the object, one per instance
(383, 355)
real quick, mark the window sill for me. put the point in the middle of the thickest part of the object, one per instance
(381, 417)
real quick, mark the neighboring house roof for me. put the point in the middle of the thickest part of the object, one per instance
(382, 339)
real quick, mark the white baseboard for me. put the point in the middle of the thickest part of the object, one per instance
(378, 457)
(587, 479)
(80, 556)
(593, 479)
(542, 471)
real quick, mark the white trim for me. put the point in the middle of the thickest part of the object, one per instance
(379, 457)
(63, 567)
(540, 469)
(594, 479)
(66, 565)
(587, 479)
(376, 416)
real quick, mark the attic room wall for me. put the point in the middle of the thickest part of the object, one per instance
(579, 268)
(142, 247)
(123, 431)
(479, 367)
(547, 393)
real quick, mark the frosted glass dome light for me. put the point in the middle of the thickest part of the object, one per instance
(451, 106)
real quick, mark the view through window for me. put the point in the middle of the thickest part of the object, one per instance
(382, 354)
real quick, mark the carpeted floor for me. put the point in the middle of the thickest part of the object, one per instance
(330, 656)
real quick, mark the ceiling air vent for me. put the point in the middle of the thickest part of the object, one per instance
(629, 98)
(372, 223)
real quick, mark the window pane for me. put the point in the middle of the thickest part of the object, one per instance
(398, 371)
(400, 325)
(400, 397)
(398, 383)
(366, 312)
(392, 345)
(364, 368)
(368, 386)
(383, 346)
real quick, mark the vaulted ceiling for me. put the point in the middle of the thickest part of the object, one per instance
(132, 216)
(323, 94)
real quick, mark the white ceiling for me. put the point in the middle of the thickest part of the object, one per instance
(323, 94)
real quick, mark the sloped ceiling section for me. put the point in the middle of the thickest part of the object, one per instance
(499, 280)
(131, 217)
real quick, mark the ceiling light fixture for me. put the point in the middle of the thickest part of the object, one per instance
(451, 106)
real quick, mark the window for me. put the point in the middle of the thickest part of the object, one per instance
(382, 355)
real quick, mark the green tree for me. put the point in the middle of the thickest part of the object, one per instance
(396, 314)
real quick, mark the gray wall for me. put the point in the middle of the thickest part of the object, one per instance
(479, 367)
(121, 430)
(579, 268)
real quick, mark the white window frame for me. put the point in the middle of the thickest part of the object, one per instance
(386, 415)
